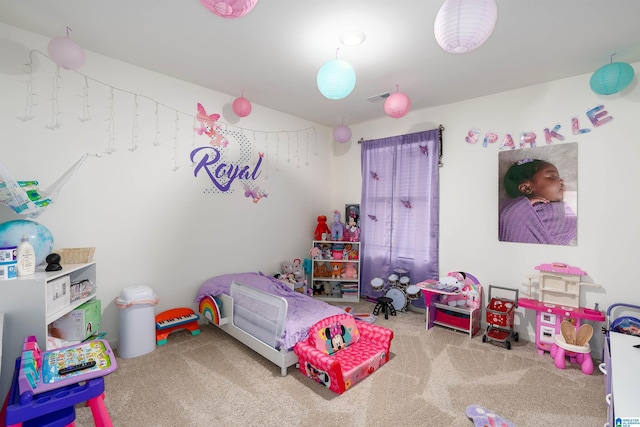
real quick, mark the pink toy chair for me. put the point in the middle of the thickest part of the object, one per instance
(340, 351)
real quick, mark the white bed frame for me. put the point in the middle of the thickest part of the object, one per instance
(281, 358)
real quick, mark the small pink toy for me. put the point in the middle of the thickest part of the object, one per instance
(350, 271)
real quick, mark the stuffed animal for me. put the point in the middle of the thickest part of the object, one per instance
(466, 295)
(337, 227)
(352, 253)
(317, 288)
(315, 253)
(326, 252)
(458, 299)
(322, 228)
(293, 268)
(352, 231)
(336, 269)
(350, 271)
(327, 289)
(321, 270)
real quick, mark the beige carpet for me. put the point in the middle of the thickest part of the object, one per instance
(432, 376)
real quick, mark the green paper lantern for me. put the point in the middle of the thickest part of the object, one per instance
(611, 78)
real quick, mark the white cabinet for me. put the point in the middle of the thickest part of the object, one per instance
(335, 275)
(31, 303)
(622, 376)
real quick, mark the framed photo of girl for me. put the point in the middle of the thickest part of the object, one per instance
(538, 195)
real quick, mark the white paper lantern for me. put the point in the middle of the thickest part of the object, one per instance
(336, 79)
(463, 25)
(342, 134)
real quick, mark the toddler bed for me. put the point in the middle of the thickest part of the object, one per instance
(262, 312)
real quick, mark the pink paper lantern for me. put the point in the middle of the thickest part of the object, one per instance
(342, 134)
(242, 107)
(66, 53)
(229, 8)
(397, 105)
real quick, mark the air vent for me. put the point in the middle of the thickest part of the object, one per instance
(379, 97)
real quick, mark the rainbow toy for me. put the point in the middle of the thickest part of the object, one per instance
(209, 307)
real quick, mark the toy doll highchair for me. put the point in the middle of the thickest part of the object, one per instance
(575, 345)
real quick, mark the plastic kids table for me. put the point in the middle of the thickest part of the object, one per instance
(47, 385)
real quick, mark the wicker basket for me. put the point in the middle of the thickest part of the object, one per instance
(75, 255)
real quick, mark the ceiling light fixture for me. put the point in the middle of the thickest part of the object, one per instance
(336, 78)
(464, 25)
(611, 78)
(352, 38)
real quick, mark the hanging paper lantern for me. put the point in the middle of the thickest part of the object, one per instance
(397, 105)
(611, 78)
(66, 53)
(463, 25)
(336, 79)
(229, 8)
(242, 107)
(342, 134)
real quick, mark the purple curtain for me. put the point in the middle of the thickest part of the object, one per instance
(399, 208)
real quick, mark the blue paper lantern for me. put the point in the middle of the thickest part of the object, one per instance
(611, 78)
(336, 79)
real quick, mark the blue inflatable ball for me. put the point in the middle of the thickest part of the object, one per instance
(40, 237)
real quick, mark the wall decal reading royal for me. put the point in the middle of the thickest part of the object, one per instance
(223, 174)
(597, 116)
(215, 161)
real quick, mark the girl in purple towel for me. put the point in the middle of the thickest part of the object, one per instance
(536, 212)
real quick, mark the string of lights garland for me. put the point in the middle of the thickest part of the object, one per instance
(111, 125)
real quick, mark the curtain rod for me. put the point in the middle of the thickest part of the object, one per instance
(440, 128)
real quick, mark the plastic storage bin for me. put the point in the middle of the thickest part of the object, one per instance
(137, 321)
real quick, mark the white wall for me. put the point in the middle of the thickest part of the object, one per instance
(153, 225)
(608, 203)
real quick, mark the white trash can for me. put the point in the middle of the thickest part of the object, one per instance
(137, 321)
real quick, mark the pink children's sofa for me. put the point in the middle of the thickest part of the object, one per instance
(341, 351)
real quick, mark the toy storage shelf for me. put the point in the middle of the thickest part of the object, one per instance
(464, 319)
(342, 289)
(29, 308)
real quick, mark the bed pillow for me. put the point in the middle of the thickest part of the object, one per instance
(337, 335)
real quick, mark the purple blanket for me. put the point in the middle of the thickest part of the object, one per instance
(303, 311)
(552, 223)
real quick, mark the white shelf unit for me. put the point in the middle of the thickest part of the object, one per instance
(342, 289)
(23, 301)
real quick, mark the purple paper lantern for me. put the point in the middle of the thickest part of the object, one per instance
(342, 134)
(66, 53)
(242, 107)
(229, 8)
(397, 105)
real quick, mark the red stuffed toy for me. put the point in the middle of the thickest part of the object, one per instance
(322, 227)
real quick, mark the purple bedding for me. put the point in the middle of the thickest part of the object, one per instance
(303, 311)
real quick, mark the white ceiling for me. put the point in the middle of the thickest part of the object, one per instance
(272, 54)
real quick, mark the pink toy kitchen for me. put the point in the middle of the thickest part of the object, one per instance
(558, 289)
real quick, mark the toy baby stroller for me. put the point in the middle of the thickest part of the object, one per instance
(500, 313)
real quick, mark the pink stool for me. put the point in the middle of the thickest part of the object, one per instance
(577, 354)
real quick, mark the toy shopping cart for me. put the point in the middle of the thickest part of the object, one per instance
(500, 313)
